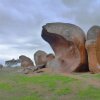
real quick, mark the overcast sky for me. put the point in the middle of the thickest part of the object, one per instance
(21, 22)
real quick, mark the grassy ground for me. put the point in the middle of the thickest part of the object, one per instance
(16, 86)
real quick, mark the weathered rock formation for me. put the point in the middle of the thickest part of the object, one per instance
(40, 58)
(68, 42)
(93, 48)
(50, 57)
(26, 64)
(25, 61)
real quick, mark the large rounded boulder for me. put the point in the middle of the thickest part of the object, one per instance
(93, 48)
(50, 57)
(25, 61)
(40, 58)
(68, 43)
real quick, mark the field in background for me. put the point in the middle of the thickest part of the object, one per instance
(46, 86)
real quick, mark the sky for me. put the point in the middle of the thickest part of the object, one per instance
(21, 23)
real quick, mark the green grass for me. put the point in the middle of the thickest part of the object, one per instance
(89, 93)
(5, 86)
(97, 75)
(15, 86)
(33, 96)
(62, 91)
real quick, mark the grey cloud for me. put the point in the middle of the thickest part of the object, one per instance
(85, 12)
(24, 18)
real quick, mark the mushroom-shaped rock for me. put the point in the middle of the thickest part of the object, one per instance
(93, 48)
(68, 42)
(40, 58)
(25, 61)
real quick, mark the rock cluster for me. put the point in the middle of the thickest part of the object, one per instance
(41, 59)
(73, 51)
